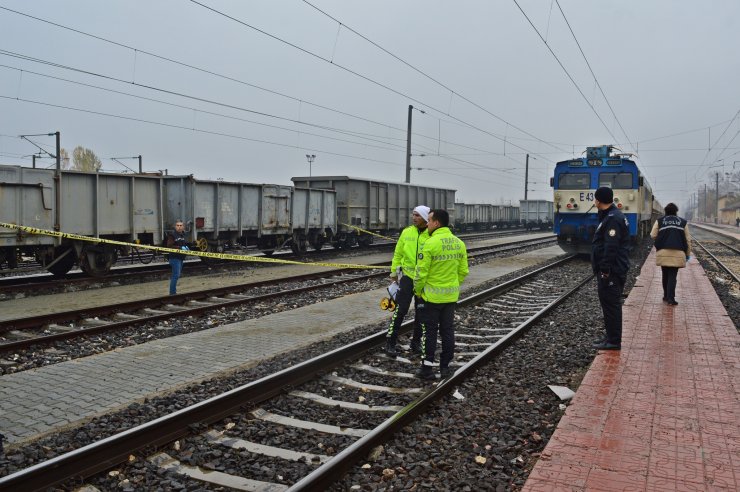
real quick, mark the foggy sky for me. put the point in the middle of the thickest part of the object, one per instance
(490, 89)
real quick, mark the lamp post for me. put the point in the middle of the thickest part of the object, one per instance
(310, 158)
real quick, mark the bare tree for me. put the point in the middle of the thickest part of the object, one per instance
(66, 164)
(85, 160)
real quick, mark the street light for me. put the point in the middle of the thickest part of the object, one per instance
(310, 158)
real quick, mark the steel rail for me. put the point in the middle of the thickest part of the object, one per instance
(329, 472)
(73, 315)
(722, 265)
(109, 452)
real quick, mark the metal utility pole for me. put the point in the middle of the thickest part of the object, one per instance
(526, 177)
(33, 161)
(310, 158)
(716, 179)
(57, 192)
(408, 147)
(706, 203)
(141, 170)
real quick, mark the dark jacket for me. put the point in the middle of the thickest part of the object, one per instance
(610, 246)
(672, 240)
(176, 240)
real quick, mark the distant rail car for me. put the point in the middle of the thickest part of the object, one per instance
(575, 181)
(483, 217)
(370, 206)
(536, 214)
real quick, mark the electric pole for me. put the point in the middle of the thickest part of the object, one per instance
(526, 177)
(408, 147)
(716, 178)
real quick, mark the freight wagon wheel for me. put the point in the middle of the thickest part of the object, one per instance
(365, 240)
(299, 246)
(201, 244)
(63, 261)
(317, 242)
(96, 261)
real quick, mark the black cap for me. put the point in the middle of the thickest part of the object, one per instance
(604, 194)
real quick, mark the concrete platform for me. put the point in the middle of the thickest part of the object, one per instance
(662, 414)
(730, 232)
(41, 400)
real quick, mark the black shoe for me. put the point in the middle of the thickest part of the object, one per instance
(426, 372)
(665, 299)
(415, 347)
(672, 302)
(607, 346)
(390, 349)
(446, 372)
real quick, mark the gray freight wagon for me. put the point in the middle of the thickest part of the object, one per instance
(376, 206)
(110, 206)
(536, 214)
(222, 214)
(482, 216)
(141, 208)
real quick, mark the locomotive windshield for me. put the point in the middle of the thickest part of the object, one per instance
(616, 180)
(574, 181)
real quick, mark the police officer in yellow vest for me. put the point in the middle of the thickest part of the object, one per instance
(441, 267)
(403, 265)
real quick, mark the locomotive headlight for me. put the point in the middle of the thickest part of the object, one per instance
(616, 199)
(572, 200)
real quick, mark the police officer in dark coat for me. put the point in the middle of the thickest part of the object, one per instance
(610, 262)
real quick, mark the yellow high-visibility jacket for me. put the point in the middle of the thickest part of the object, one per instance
(441, 267)
(407, 249)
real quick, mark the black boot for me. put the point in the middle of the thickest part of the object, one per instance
(415, 347)
(426, 372)
(390, 349)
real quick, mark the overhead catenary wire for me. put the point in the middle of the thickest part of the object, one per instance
(211, 72)
(189, 128)
(357, 74)
(598, 84)
(423, 73)
(570, 77)
(397, 147)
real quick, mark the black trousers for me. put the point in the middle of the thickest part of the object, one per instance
(610, 297)
(670, 278)
(437, 317)
(403, 302)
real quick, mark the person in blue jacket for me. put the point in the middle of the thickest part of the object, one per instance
(176, 240)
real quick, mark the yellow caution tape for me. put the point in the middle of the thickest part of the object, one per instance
(204, 254)
(368, 232)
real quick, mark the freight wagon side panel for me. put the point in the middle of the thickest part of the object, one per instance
(227, 197)
(313, 209)
(26, 198)
(251, 209)
(79, 203)
(275, 209)
(147, 207)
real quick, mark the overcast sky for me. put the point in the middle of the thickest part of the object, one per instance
(243, 90)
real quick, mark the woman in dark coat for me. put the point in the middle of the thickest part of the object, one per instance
(673, 242)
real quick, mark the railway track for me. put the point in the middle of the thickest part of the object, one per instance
(726, 256)
(23, 333)
(343, 403)
(40, 281)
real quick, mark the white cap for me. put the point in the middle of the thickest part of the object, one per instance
(423, 210)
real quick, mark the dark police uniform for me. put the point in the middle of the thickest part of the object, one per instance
(610, 262)
(671, 235)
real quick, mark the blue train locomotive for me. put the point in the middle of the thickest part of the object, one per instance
(575, 182)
